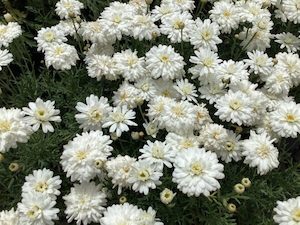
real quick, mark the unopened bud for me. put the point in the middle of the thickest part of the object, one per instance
(13, 167)
(231, 208)
(122, 199)
(246, 182)
(8, 17)
(239, 188)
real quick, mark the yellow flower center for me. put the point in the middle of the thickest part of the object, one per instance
(33, 212)
(58, 51)
(81, 155)
(235, 104)
(290, 118)
(229, 146)
(178, 25)
(49, 36)
(187, 143)
(157, 152)
(178, 111)
(206, 35)
(117, 19)
(118, 117)
(164, 58)
(41, 114)
(126, 169)
(263, 151)
(131, 61)
(4, 126)
(41, 186)
(3, 31)
(226, 13)
(96, 116)
(144, 175)
(196, 168)
(296, 215)
(208, 62)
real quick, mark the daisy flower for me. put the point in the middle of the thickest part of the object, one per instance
(126, 95)
(235, 107)
(61, 56)
(66, 9)
(8, 32)
(278, 83)
(226, 15)
(84, 157)
(162, 11)
(132, 67)
(291, 10)
(260, 152)
(37, 209)
(163, 61)
(41, 113)
(42, 181)
(85, 203)
(177, 26)
(119, 120)
(184, 5)
(165, 88)
(232, 148)
(285, 119)
(232, 72)
(13, 129)
(10, 217)
(288, 41)
(287, 212)
(186, 89)
(93, 113)
(119, 169)
(47, 36)
(204, 34)
(197, 172)
(144, 28)
(144, 176)
(5, 58)
(158, 153)
(213, 136)
(146, 88)
(259, 63)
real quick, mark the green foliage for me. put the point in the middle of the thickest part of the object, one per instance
(27, 78)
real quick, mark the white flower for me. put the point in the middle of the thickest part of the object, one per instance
(42, 181)
(206, 63)
(260, 152)
(179, 116)
(291, 9)
(226, 15)
(164, 10)
(94, 32)
(66, 9)
(166, 196)
(212, 90)
(156, 109)
(102, 65)
(177, 26)
(117, 19)
(232, 148)
(41, 113)
(85, 203)
(119, 169)
(204, 34)
(5, 58)
(10, 217)
(163, 61)
(285, 120)
(186, 89)
(144, 176)
(184, 5)
(202, 116)
(235, 107)
(37, 209)
(278, 83)
(143, 27)
(83, 157)
(47, 36)
(288, 41)
(9, 32)
(13, 129)
(132, 67)
(158, 153)
(259, 63)
(196, 172)
(213, 136)
(61, 56)
(287, 212)
(146, 88)
(93, 113)
(232, 72)
(127, 95)
(120, 119)
(165, 88)
(121, 214)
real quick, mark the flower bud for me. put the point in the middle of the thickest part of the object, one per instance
(246, 182)
(231, 208)
(239, 188)
(14, 167)
(166, 196)
(8, 17)
(122, 199)
(135, 135)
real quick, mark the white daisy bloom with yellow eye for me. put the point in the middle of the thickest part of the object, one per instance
(8, 32)
(61, 56)
(84, 157)
(287, 212)
(186, 89)
(5, 58)
(92, 115)
(42, 181)
(38, 209)
(41, 113)
(285, 119)
(260, 152)
(85, 203)
(119, 119)
(288, 41)
(163, 61)
(144, 176)
(291, 9)
(10, 217)
(197, 172)
(47, 36)
(67, 9)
